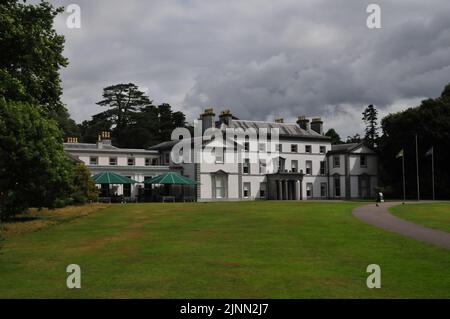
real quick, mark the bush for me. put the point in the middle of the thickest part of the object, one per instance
(83, 187)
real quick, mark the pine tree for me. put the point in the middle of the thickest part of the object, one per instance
(123, 100)
(370, 118)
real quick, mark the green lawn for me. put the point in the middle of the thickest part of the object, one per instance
(221, 250)
(436, 215)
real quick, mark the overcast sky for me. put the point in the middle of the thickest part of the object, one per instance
(260, 58)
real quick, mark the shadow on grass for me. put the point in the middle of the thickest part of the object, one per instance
(20, 219)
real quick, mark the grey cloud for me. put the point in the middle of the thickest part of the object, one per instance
(261, 59)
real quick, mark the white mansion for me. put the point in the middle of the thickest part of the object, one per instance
(307, 166)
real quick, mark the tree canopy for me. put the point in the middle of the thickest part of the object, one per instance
(354, 139)
(133, 119)
(123, 100)
(335, 138)
(431, 122)
(34, 169)
(31, 58)
(370, 118)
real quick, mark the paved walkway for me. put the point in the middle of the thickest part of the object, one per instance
(380, 217)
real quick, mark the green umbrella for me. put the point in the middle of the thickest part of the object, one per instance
(171, 179)
(112, 178)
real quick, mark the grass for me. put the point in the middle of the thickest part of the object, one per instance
(36, 219)
(221, 250)
(435, 215)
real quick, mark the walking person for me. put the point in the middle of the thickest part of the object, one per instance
(380, 198)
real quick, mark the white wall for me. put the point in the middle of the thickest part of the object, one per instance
(255, 178)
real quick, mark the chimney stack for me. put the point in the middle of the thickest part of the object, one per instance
(104, 138)
(207, 119)
(72, 140)
(279, 120)
(317, 125)
(303, 122)
(225, 117)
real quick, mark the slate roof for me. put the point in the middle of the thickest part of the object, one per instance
(164, 145)
(84, 147)
(344, 148)
(291, 130)
(285, 129)
(169, 144)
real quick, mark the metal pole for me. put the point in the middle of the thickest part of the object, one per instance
(403, 169)
(432, 169)
(417, 170)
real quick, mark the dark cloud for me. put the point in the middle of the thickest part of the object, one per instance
(260, 58)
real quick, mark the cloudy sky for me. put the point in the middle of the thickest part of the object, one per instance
(260, 58)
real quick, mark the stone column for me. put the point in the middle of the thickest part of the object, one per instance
(280, 190)
(297, 190)
(286, 195)
(291, 190)
(288, 182)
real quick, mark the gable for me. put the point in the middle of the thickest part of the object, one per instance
(362, 149)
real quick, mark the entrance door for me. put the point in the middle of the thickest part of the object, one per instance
(127, 189)
(364, 187)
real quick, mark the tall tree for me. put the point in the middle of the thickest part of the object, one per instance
(123, 100)
(168, 121)
(89, 130)
(370, 118)
(335, 138)
(34, 169)
(134, 121)
(431, 122)
(31, 58)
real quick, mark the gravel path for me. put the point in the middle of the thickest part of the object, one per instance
(380, 217)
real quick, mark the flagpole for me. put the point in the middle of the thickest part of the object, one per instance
(432, 169)
(417, 170)
(403, 170)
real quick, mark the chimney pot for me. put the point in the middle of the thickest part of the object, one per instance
(279, 120)
(225, 117)
(317, 125)
(303, 122)
(72, 139)
(104, 138)
(207, 119)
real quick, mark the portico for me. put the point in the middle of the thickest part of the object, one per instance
(285, 186)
